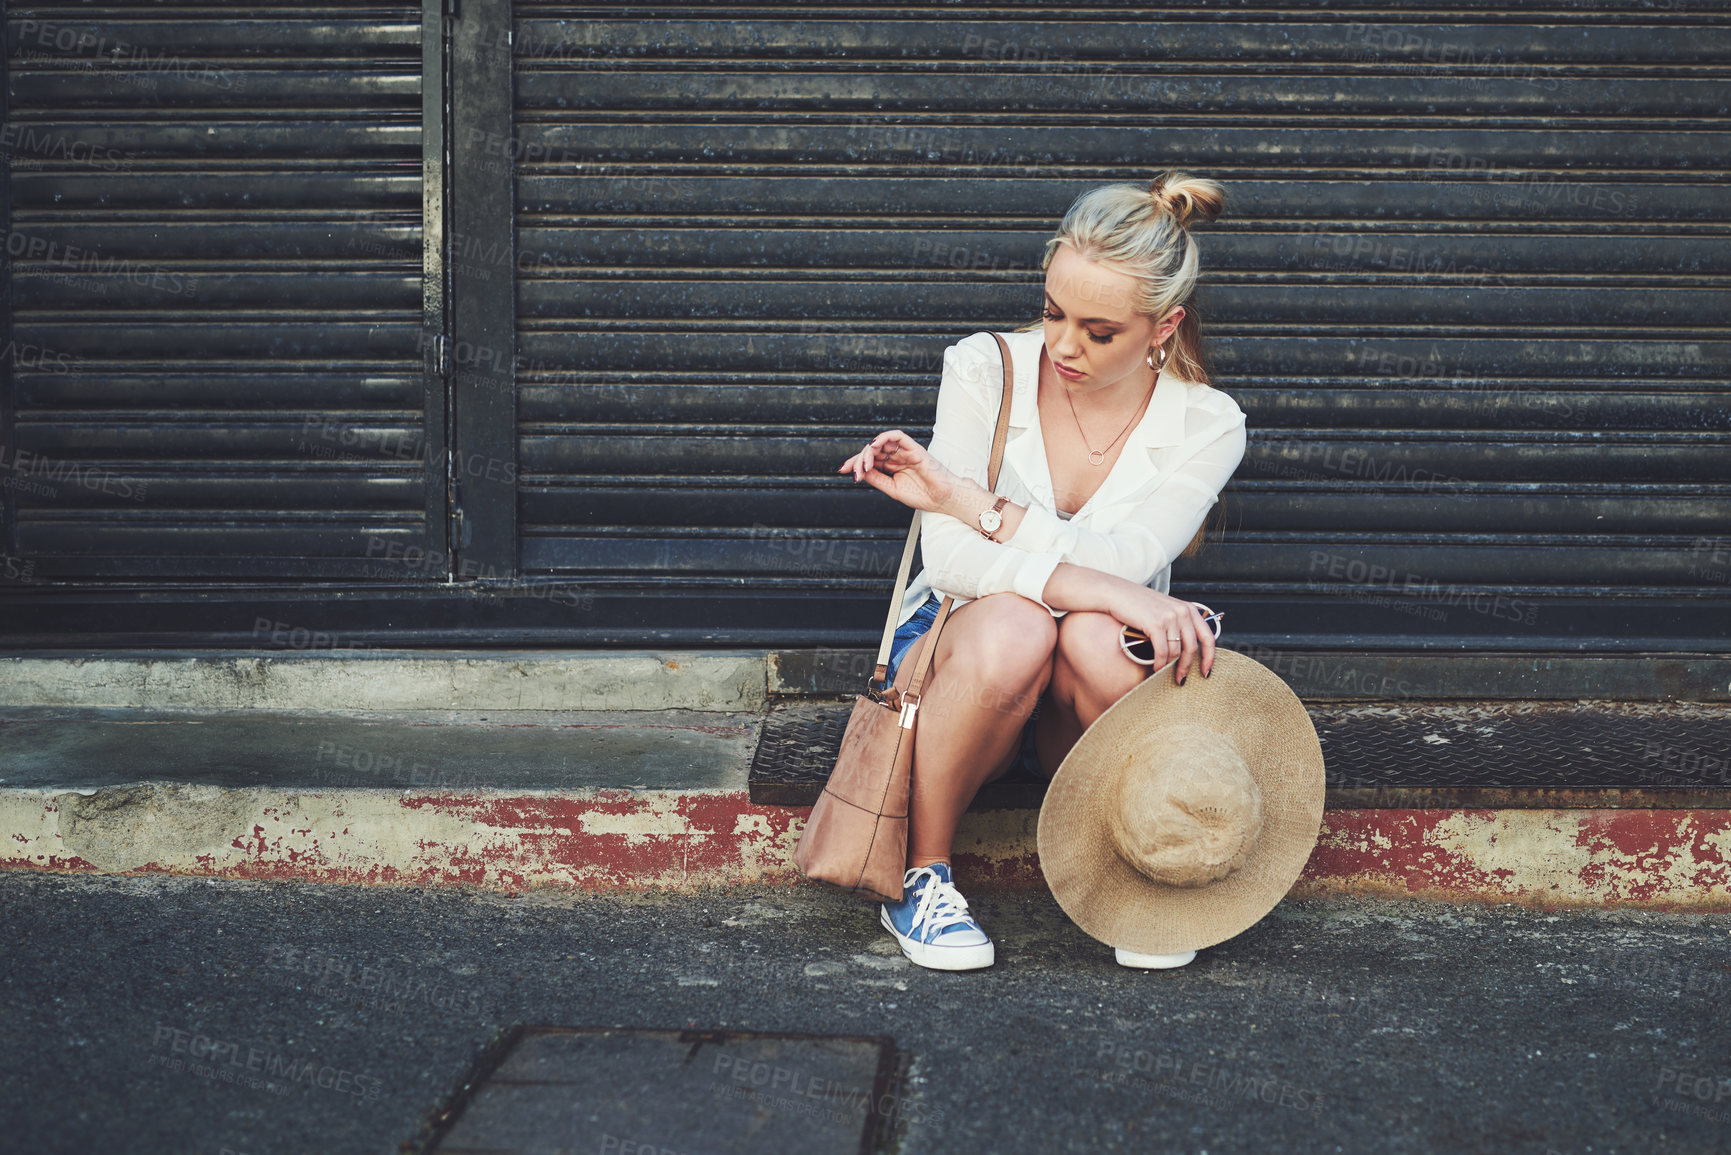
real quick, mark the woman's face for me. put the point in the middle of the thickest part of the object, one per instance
(1094, 337)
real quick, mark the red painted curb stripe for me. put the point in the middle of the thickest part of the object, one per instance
(623, 839)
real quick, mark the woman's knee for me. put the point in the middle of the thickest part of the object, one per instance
(1008, 635)
(1086, 636)
(1088, 654)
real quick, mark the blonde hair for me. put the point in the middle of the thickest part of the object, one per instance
(1145, 232)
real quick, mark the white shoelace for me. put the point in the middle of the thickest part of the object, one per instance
(941, 905)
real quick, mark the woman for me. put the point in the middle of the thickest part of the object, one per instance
(1117, 450)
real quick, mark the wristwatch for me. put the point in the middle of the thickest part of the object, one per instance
(991, 519)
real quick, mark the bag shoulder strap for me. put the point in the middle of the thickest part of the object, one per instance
(1002, 433)
(875, 686)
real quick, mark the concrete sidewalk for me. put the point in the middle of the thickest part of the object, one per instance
(1339, 1026)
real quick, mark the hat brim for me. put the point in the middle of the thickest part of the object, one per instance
(1102, 892)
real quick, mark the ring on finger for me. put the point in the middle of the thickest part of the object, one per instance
(1136, 645)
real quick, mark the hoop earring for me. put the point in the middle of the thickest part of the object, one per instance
(1150, 358)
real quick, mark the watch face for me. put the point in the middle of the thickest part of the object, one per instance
(990, 520)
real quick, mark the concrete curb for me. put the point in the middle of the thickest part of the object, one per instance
(689, 840)
(313, 675)
(375, 680)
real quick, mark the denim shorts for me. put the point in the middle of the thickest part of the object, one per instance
(1027, 765)
(910, 632)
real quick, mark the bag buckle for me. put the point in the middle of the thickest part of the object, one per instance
(910, 706)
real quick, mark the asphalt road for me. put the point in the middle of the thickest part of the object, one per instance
(143, 1015)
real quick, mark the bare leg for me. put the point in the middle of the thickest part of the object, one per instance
(1089, 673)
(993, 660)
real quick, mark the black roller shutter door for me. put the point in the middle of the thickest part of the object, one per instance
(1470, 291)
(216, 296)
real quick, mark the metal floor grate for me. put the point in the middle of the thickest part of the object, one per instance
(1659, 755)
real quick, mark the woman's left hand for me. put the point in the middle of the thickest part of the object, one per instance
(896, 464)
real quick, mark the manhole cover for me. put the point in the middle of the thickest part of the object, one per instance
(610, 1089)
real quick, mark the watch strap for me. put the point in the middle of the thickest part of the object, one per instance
(996, 507)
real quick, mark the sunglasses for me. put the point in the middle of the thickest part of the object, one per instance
(1140, 650)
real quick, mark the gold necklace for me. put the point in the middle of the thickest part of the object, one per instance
(1098, 456)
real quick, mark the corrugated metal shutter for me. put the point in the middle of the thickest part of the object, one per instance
(1470, 291)
(217, 296)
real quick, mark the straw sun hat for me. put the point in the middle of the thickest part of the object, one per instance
(1183, 814)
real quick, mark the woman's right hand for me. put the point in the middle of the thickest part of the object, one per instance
(895, 464)
(1161, 617)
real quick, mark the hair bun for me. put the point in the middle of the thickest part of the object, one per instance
(1187, 198)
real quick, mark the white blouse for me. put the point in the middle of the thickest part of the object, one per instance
(1155, 497)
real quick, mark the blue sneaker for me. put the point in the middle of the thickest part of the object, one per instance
(932, 922)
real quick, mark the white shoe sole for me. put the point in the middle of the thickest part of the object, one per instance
(1152, 962)
(941, 958)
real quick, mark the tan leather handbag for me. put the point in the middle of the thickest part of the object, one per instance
(857, 835)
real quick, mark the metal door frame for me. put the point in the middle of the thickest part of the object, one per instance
(478, 343)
